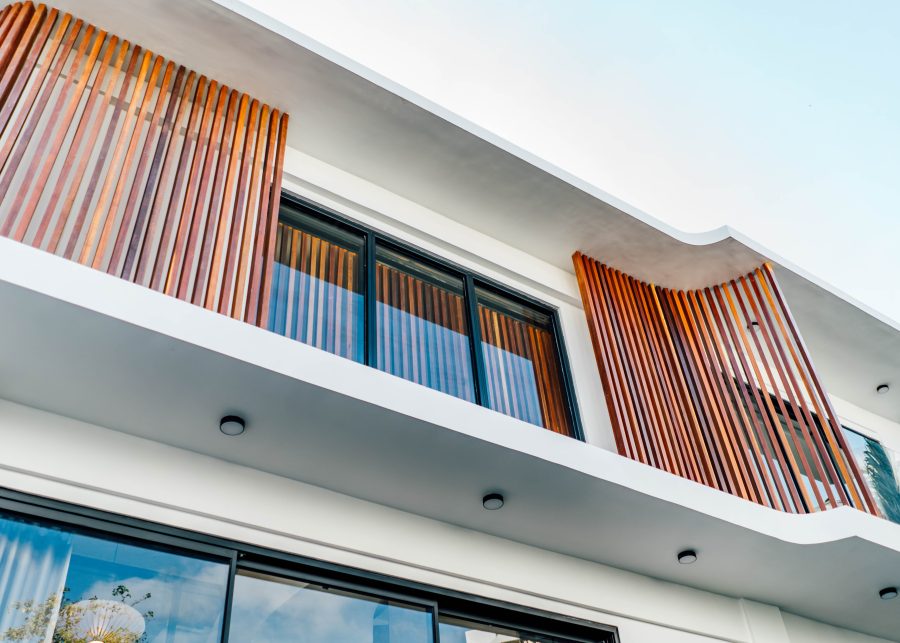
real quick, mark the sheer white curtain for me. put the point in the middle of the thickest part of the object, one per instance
(33, 566)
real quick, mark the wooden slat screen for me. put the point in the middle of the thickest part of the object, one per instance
(422, 331)
(716, 385)
(522, 370)
(316, 296)
(119, 159)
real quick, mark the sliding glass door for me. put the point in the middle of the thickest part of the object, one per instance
(70, 586)
(74, 575)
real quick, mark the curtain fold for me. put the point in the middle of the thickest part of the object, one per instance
(315, 294)
(522, 369)
(422, 332)
(34, 562)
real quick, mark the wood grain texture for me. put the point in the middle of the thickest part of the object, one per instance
(716, 385)
(117, 158)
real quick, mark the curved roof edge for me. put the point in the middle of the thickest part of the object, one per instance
(710, 237)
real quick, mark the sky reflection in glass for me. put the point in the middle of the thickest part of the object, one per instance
(179, 599)
(269, 610)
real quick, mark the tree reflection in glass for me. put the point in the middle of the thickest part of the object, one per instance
(69, 587)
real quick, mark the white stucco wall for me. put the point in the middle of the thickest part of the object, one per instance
(49, 455)
(373, 206)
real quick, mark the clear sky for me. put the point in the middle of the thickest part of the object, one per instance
(781, 119)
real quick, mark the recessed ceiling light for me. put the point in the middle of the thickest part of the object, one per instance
(232, 425)
(492, 501)
(881, 389)
(687, 557)
(888, 593)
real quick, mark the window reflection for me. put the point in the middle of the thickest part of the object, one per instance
(521, 363)
(316, 285)
(268, 609)
(70, 588)
(879, 466)
(423, 334)
(453, 630)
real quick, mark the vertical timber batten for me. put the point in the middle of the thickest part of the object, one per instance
(716, 385)
(119, 159)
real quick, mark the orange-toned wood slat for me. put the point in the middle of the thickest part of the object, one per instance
(117, 158)
(716, 385)
(69, 164)
(18, 139)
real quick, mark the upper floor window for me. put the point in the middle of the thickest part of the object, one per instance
(881, 469)
(358, 294)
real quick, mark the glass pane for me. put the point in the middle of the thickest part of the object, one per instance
(267, 609)
(521, 363)
(317, 285)
(422, 331)
(878, 465)
(454, 630)
(69, 587)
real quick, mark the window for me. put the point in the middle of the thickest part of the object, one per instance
(881, 469)
(455, 630)
(269, 608)
(358, 294)
(422, 332)
(118, 580)
(317, 285)
(68, 586)
(520, 361)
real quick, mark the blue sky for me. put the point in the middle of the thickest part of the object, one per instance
(781, 119)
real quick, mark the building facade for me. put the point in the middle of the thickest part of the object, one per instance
(289, 353)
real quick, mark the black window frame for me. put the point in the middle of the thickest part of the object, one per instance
(545, 626)
(374, 238)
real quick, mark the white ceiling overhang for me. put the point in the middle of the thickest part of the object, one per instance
(362, 123)
(92, 347)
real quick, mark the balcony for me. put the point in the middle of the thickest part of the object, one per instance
(102, 347)
(172, 181)
(93, 347)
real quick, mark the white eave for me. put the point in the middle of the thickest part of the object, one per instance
(353, 119)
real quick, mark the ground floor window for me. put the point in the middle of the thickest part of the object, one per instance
(74, 575)
(67, 586)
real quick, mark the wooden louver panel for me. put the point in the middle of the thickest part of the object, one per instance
(119, 159)
(716, 385)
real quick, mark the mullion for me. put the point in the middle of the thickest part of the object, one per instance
(475, 348)
(373, 240)
(229, 598)
(370, 299)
